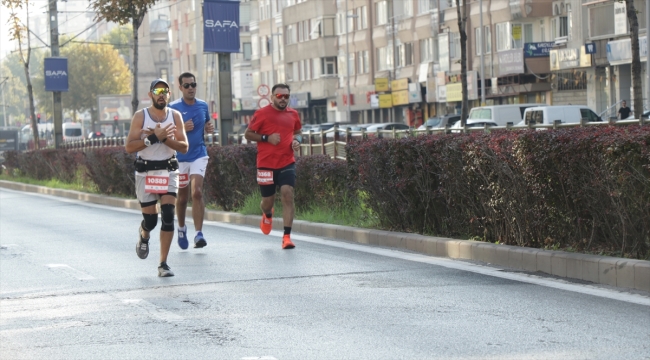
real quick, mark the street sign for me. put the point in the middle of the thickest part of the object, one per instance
(263, 102)
(263, 90)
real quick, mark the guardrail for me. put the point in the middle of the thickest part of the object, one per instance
(332, 142)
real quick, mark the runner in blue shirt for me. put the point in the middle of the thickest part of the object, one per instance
(196, 119)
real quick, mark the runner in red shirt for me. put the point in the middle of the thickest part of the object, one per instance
(276, 129)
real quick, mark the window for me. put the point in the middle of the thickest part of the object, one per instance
(503, 36)
(328, 65)
(454, 45)
(350, 18)
(328, 27)
(316, 30)
(487, 35)
(569, 80)
(385, 58)
(569, 21)
(427, 50)
(381, 11)
(362, 17)
(291, 34)
(425, 6)
(351, 63)
(528, 33)
(362, 63)
(301, 75)
(404, 55)
(255, 54)
(290, 72)
(559, 27)
(247, 50)
(164, 74)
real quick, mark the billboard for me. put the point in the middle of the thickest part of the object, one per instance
(221, 26)
(56, 74)
(114, 105)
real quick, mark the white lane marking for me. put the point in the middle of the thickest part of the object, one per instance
(154, 310)
(459, 265)
(259, 358)
(72, 271)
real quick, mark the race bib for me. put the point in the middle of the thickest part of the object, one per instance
(183, 180)
(265, 177)
(156, 182)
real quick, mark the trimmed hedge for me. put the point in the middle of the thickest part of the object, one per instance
(581, 188)
(586, 189)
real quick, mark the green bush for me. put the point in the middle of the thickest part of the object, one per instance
(111, 169)
(231, 175)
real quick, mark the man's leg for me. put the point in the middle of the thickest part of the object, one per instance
(167, 228)
(198, 207)
(286, 193)
(288, 211)
(181, 205)
(268, 197)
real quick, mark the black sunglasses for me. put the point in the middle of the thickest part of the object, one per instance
(187, 86)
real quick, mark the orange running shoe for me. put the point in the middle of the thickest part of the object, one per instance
(266, 224)
(286, 242)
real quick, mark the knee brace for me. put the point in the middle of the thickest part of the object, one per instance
(167, 211)
(149, 222)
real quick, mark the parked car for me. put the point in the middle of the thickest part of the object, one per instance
(501, 114)
(72, 132)
(440, 121)
(565, 113)
(96, 135)
(646, 115)
(472, 124)
(384, 127)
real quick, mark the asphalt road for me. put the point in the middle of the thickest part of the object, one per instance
(72, 287)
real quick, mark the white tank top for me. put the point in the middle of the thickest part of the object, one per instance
(157, 151)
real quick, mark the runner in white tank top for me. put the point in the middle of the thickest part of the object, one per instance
(156, 134)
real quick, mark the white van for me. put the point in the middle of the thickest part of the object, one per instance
(72, 132)
(565, 113)
(501, 114)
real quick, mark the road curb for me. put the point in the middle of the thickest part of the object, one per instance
(619, 272)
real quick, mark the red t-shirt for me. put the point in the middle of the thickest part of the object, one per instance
(268, 120)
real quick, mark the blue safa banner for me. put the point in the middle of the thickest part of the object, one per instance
(56, 74)
(221, 26)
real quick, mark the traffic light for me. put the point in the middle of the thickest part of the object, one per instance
(38, 118)
(215, 116)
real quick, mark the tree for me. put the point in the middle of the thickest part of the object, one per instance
(123, 12)
(637, 88)
(461, 10)
(19, 32)
(16, 96)
(94, 69)
(120, 38)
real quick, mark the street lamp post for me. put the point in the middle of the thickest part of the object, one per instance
(4, 105)
(482, 42)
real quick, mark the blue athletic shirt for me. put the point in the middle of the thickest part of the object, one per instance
(199, 114)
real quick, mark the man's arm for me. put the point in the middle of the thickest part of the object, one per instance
(133, 141)
(177, 142)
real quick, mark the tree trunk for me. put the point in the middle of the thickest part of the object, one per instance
(637, 88)
(462, 22)
(32, 108)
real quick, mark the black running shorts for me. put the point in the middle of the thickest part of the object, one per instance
(281, 177)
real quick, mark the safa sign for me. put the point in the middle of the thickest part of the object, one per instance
(56, 74)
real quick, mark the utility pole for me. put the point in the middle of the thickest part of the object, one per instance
(647, 62)
(482, 42)
(56, 95)
(270, 47)
(347, 60)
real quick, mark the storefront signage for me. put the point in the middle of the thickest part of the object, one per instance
(432, 90)
(381, 84)
(299, 100)
(385, 101)
(400, 84)
(454, 92)
(620, 18)
(620, 51)
(538, 49)
(511, 62)
(400, 97)
(415, 93)
(374, 101)
(562, 59)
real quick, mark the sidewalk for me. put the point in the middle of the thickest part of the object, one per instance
(624, 273)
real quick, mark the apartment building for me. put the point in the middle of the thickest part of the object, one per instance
(399, 60)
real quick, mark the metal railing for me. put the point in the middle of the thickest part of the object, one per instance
(332, 142)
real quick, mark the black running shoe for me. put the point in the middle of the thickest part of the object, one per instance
(164, 270)
(142, 247)
(199, 241)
